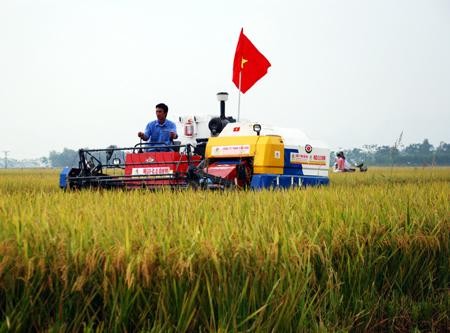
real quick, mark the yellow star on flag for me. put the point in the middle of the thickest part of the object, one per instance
(243, 61)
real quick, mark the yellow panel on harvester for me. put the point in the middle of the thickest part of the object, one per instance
(268, 151)
(231, 146)
(269, 156)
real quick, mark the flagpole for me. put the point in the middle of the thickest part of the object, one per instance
(239, 96)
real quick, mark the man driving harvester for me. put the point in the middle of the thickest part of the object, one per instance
(161, 131)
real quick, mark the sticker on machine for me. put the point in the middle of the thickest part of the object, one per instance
(235, 150)
(301, 158)
(151, 171)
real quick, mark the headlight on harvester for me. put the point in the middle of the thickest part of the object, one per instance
(257, 128)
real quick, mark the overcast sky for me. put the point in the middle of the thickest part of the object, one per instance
(89, 73)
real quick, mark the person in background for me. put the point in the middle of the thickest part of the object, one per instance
(342, 165)
(339, 165)
(161, 131)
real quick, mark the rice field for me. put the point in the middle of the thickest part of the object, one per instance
(368, 253)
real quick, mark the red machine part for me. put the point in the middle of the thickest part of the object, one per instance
(239, 173)
(158, 168)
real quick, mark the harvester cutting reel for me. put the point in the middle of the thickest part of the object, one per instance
(152, 167)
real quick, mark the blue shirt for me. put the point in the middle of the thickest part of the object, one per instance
(159, 134)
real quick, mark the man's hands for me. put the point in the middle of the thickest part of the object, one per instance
(142, 136)
(172, 135)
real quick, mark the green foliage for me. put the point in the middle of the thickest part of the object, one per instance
(67, 157)
(416, 154)
(70, 157)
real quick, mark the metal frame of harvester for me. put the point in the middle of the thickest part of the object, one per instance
(141, 166)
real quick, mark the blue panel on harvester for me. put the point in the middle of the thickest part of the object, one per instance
(63, 177)
(315, 180)
(286, 181)
(291, 168)
(262, 181)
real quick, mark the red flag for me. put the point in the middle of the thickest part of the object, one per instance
(249, 63)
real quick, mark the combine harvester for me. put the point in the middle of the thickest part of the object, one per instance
(213, 153)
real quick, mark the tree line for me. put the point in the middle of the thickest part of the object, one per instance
(70, 158)
(416, 154)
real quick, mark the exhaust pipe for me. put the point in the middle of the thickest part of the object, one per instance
(217, 124)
